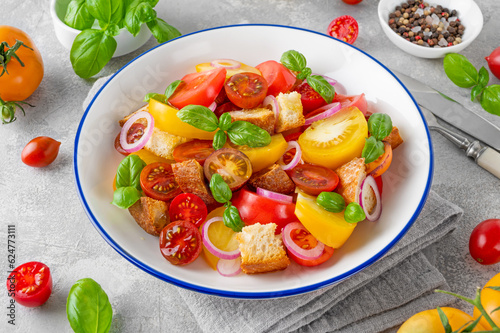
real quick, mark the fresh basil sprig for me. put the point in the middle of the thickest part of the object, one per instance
(463, 73)
(240, 132)
(88, 308)
(223, 194)
(331, 201)
(93, 48)
(295, 61)
(172, 87)
(379, 126)
(354, 213)
(128, 184)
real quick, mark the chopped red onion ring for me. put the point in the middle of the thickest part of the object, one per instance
(368, 182)
(228, 255)
(335, 107)
(274, 195)
(271, 100)
(295, 160)
(229, 267)
(226, 63)
(213, 106)
(304, 254)
(148, 131)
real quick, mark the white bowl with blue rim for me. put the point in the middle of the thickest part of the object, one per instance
(407, 183)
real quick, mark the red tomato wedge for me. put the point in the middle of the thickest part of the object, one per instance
(358, 101)
(305, 240)
(310, 99)
(278, 77)
(344, 28)
(246, 90)
(188, 207)
(199, 88)
(30, 284)
(196, 149)
(314, 179)
(180, 242)
(158, 181)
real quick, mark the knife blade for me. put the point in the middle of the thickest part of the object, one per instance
(452, 112)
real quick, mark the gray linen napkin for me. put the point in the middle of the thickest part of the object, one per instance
(380, 297)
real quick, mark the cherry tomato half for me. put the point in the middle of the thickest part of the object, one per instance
(246, 90)
(118, 146)
(30, 284)
(484, 242)
(310, 99)
(304, 239)
(196, 149)
(158, 181)
(278, 77)
(234, 167)
(314, 179)
(199, 88)
(40, 152)
(180, 242)
(188, 207)
(344, 28)
(352, 2)
(226, 107)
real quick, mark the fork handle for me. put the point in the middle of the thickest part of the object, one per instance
(489, 159)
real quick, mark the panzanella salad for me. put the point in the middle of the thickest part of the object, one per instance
(254, 167)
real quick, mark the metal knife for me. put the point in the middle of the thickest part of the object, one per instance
(452, 112)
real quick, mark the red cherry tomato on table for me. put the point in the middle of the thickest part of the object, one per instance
(158, 181)
(494, 62)
(40, 152)
(180, 242)
(314, 179)
(344, 28)
(484, 242)
(246, 90)
(352, 2)
(310, 99)
(278, 77)
(188, 207)
(30, 284)
(196, 149)
(305, 240)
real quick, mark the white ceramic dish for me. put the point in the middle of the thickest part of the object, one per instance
(406, 184)
(468, 12)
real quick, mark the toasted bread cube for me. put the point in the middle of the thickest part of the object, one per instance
(163, 144)
(262, 117)
(291, 112)
(124, 120)
(191, 179)
(274, 179)
(394, 139)
(150, 214)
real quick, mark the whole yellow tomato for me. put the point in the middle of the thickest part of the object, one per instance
(490, 299)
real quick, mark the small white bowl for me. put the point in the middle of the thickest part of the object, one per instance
(126, 43)
(468, 12)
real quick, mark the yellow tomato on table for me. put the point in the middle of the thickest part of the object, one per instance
(329, 228)
(207, 66)
(166, 120)
(336, 140)
(262, 157)
(490, 299)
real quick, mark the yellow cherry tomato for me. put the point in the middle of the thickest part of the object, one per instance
(490, 299)
(336, 140)
(327, 227)
(262, 157)
(166, 120)
(206, 66)
(428, 321)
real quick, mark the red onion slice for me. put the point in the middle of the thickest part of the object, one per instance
(226, 63)
(229, 267)
(368, 182)
(305, 254)
(148, 131)
(271, 100)
(335, 107)
(211, 247)
(274, 196)
(213, 106)
(295, 160)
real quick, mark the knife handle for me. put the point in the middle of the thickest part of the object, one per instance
(489, 160)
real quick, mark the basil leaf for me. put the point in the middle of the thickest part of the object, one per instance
(219, 188)
(91, 51)
(112, 30)
(354, 213)
(460, 71)
(219, 139)
(172, 87)
(372, 150)
(225, 121)
(158, 97)
(476, 91)
(444, 321)
(243, 133)
(294, 60)
(483, 76)
(199, 116)
(162, 31)
(490, 99)
(331, 202)
(322, 87)
(380, 125)
(232, 219)
(304, 74)
(88, 308)
(129, 172)
(138, 12)
(124, 197)
(78, 16)
(106, 11)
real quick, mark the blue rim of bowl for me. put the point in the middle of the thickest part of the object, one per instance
(249, 295)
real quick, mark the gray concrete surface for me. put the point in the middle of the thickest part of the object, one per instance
(52, 227)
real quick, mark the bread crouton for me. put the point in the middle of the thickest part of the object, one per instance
(150, 214)
(274, 179)
(262, 117)
(261, 250)
(394, 139)
(191, 179)
(162, 143)
(124, 120)
(291, 112)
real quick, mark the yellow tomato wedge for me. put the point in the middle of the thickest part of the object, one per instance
(329, 228)
(206, 66)
(149, 158)
(490, 299)
(221, 236)
(262, 157)
(336, 140)
(428, 321)
(166, 120)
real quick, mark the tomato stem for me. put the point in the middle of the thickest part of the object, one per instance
(8, 110)
(10, 52)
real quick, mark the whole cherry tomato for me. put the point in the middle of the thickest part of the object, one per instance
(494, 62)
(40, 152)
(484, 242)
(352, 2)
(30, 284)
(490, 299)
